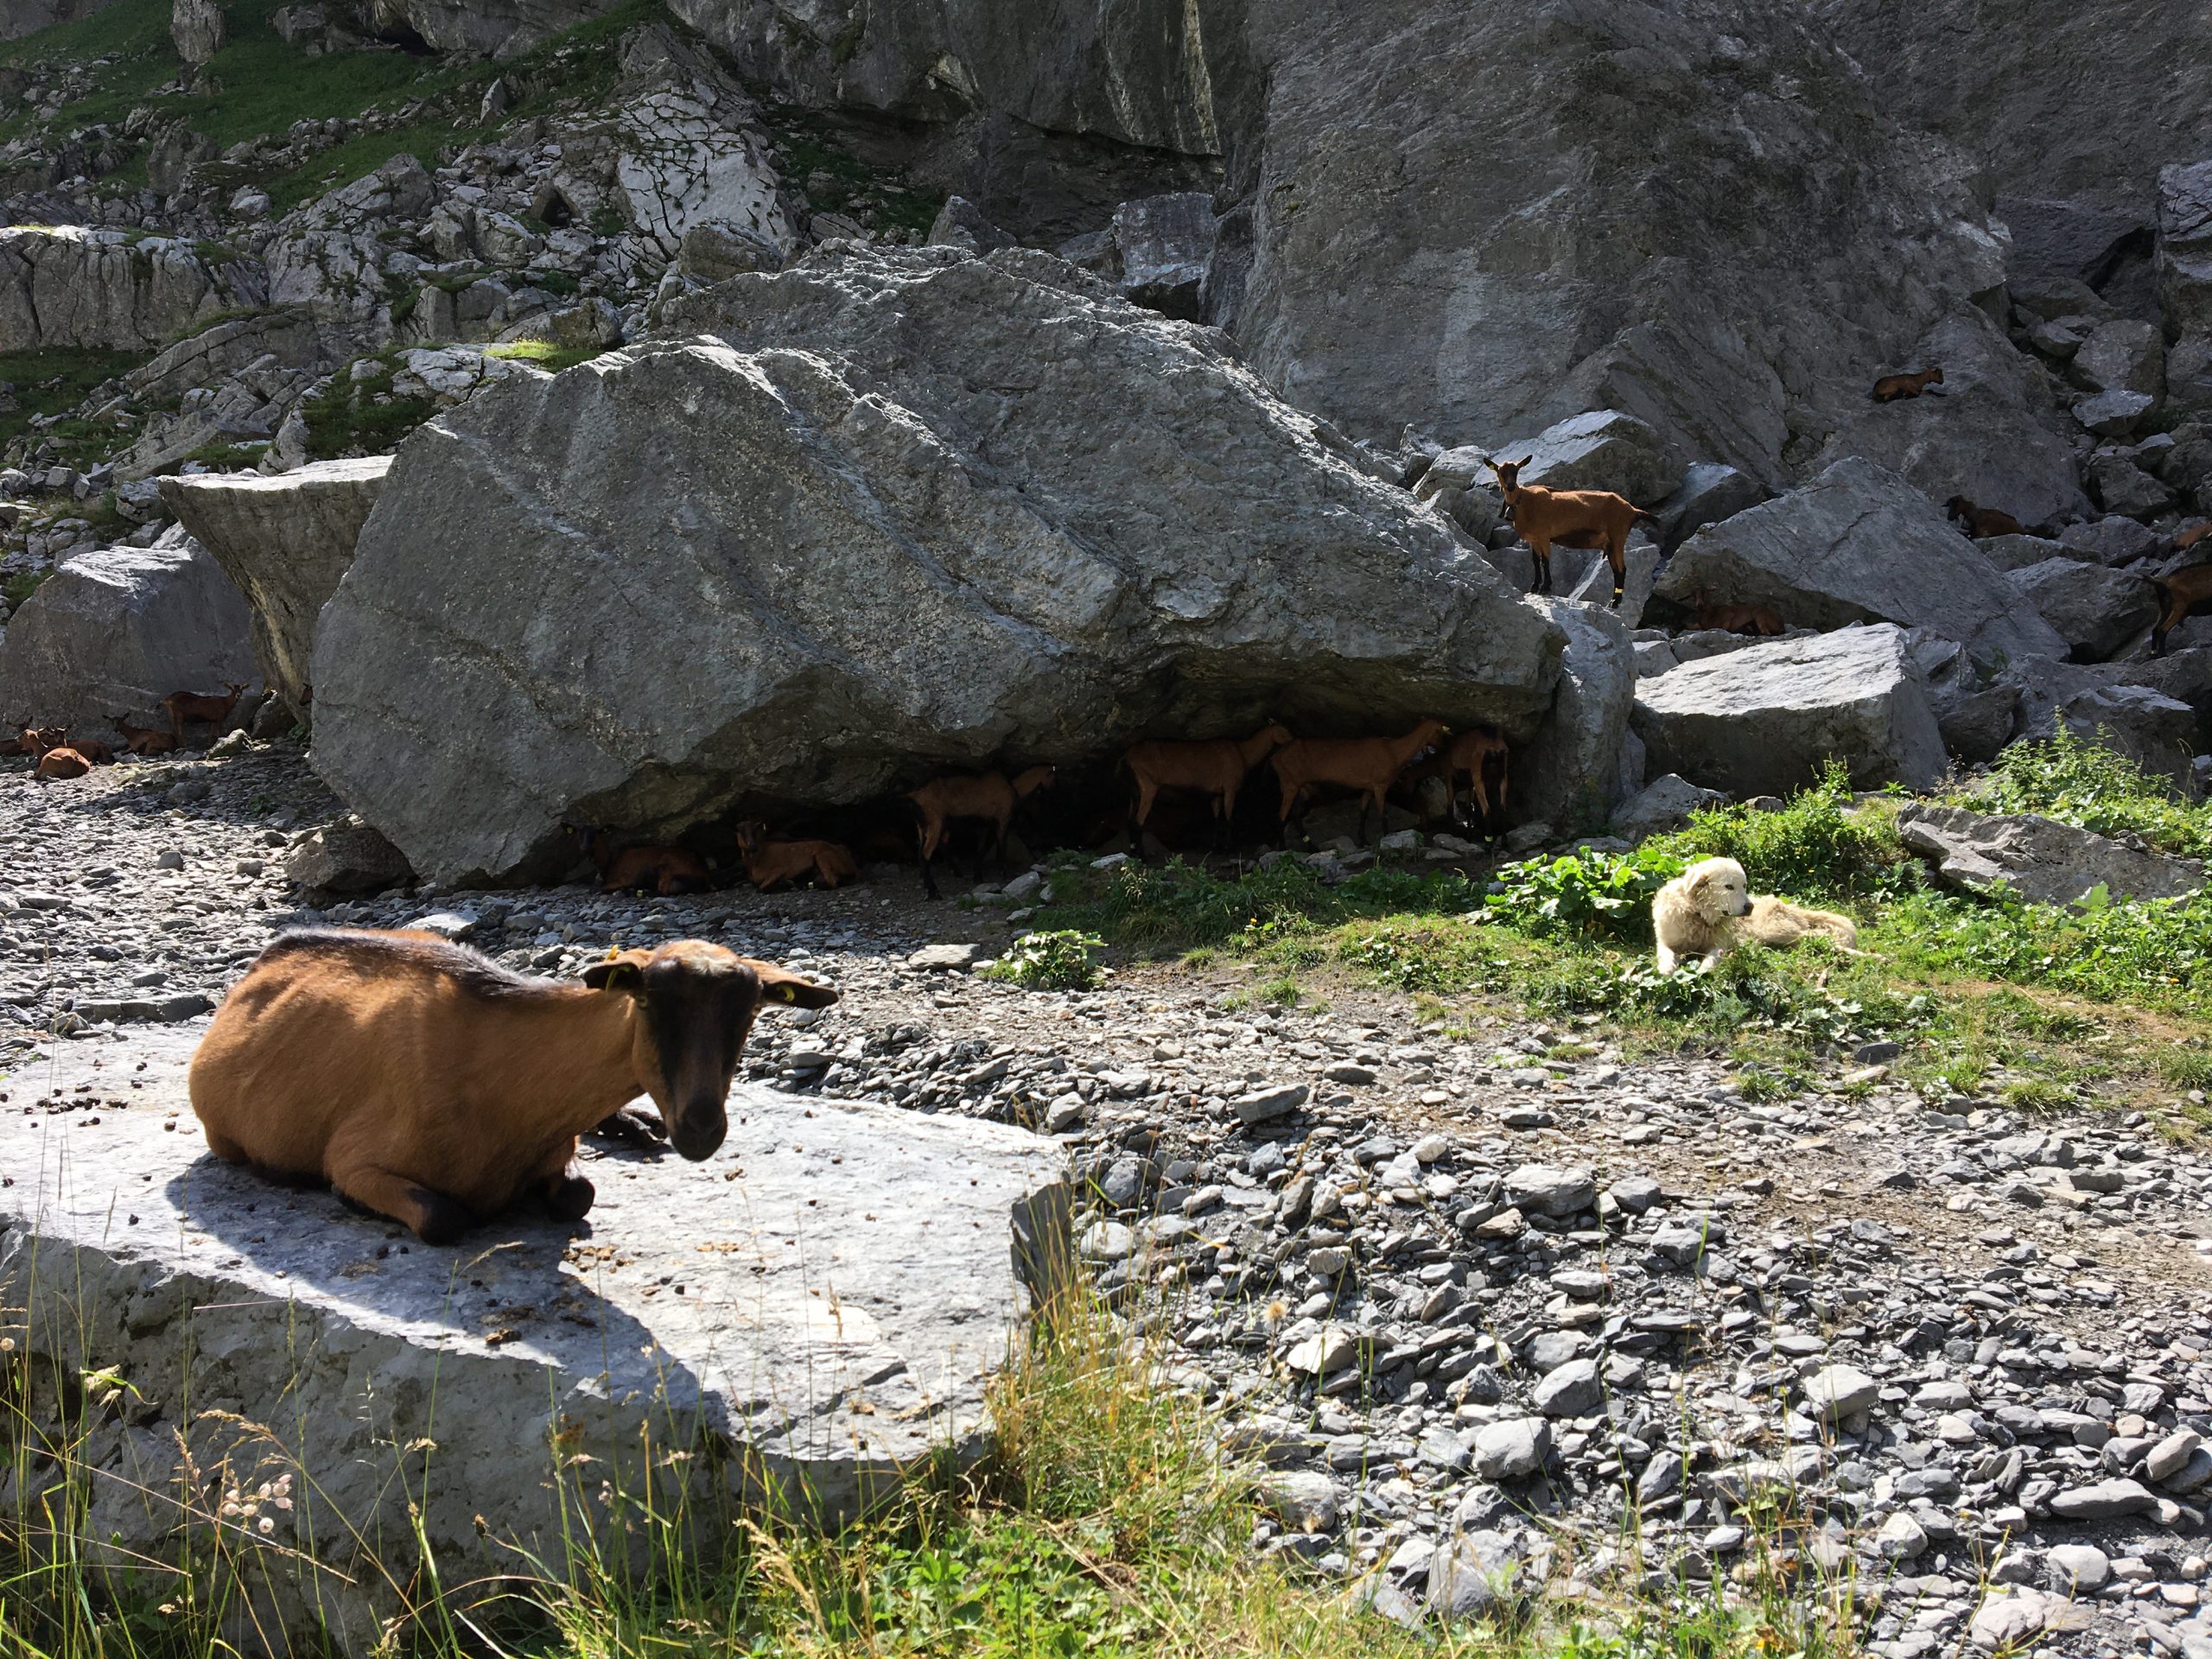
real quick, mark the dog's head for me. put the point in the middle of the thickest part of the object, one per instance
(1718, 889)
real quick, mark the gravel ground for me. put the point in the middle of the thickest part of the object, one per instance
(1470, 1304)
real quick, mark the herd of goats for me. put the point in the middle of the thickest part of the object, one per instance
(1206, 776)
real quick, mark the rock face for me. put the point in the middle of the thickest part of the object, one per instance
(2095, 610)
(2186, 247)
(2031, 103)
(1860, 544)
(116, 630)
(848, 1279)
(1479, 222)
(1763, 721)
(1994, 435)
(2041, 860)
(284, 541)
(68, 286)
(888, 519)
(1574, 777)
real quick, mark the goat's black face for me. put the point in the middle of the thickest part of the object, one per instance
(696, 1003)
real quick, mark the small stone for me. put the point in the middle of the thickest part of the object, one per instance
(2077, 1569)
(1901, 1537)
(1573, 1390)
(1834, 1392)
(1325, 1353)
(2172, 1455)
(171, 859)
(2103, 1500)
(946, 958)
(1540, 1189)
(1304, 1500)
(1512, 1450)
(1106, 1241)
(1265, 1105)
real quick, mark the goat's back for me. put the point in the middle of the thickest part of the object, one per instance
(335, 1041)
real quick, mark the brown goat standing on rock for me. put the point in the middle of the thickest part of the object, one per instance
(771, 863)
(183, 706)
(1368, 765)
(1890, 387)
(991, 798)
(428, 1084)
(1214, 767)
(2180, 592)
(1569, 517)
(1982, 523)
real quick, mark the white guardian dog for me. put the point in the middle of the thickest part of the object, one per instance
(1709, 909)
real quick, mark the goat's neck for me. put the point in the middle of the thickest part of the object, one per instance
(572, 1057)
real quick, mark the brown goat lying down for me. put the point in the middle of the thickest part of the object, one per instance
(430, 1084)
(1890, 387)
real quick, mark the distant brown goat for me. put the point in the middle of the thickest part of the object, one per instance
(1569, 518)
(183, 706)
(1366, 764)
(771, 863)
(93, 750)
(1214, 767)
(1890, 387)
(142, 740)
(61, 763)
(662, 870)
(1735, 619)
(1982, 523)
(2180, 592)
(25, 742)
(430, 1084)
(1480, 753)
(990, 799)
(37, 739)
(2184, 540)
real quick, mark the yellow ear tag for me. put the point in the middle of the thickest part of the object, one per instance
(787, 993)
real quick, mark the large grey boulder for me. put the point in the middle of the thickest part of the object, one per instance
(342, 859)
(2106, 704)
(1860, 544)
(1665, 803)
(1994, 433)
(901, 510)
(2120, 355)
(1764, 721)
(2185, 246)
(1164, 245)
(114, 632)
(284, 541)
(197, 29)
(2043, 861)
(1572, 778)
(68, 285)
(2095, 610)
(849, 1277)
(1603, 449)
(1709, 492)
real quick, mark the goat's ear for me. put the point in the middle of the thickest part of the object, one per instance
(618, 971)
(780, 985)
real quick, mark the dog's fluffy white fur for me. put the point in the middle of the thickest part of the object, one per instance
(1709, 909)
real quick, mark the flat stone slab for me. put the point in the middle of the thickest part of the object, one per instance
(791, 1323)
(2041, 860)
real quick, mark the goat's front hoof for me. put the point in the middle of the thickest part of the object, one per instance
(633, 1126)
(568, 1198)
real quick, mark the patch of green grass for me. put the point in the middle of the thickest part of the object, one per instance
(52, 382)
(2087, 784)
(544, 354)
(346, 417)
(20, 586)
